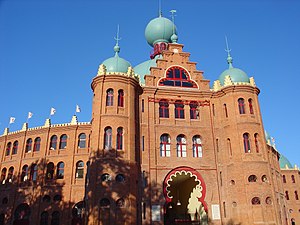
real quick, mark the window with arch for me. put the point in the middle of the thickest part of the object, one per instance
(8, 149)
(121, 98)
(55, 219)
(287, 195)
(104, 203)
(28, 146)
(15, 148)
(10, 174)
(181, 145)
(120, 138)
(246, 143)
(53, 142)
(163, 108)
(283, 179)
(252, 178)
(120, 203)
(50, 171)
(269, 201)
(63, 141)
(256, 141)
(293, 179)
(44, 218)
(109, 97)
(79, 169)
(46, 198)
(179, 109)
(120, 178)
(3, 175)
(107, 138)
(177, 77)
(22, 214)
(229, 146)
(197, 146)
(4, 201)
(57, 198)
(78, 213)
(296, 195)
(82, 140)
(37, 144)
(60, 170)
(194, 112)
(255, 201)
(34, 172)
(250, 103)
(165, 145)
(24, 173)
(225, 110)
(241, 104)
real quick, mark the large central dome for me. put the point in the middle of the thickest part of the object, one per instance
(159, 30)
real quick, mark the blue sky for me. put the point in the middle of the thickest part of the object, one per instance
(51, 49)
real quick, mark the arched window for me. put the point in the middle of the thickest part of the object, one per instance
(46, 198)
(22, 214)
(50, 171)
(81, 140)
(28, 145)
(256, 141)
(250, 106)
(229, 146)
(120, 203)
(60, 170)
(109, 97)
(194, 112)
(165, 145)
(55, 219)
(179, 109)
(255, 201)
(197, 146)
(10, 174)
(181, 146)
(53, 142)
(34, 172)
(105, 177)
(287, 195)
(293, 178)
(296, 195)
(120, 138)
(120, 178)
(121, 98)
(246, 143)
(63, 141)
(44, 218)
(57, 198)
(24, 174)
(225, 110)
(79, 169)
(8, 149)
(252, 178)
(37, 144)
(163, 108)
(3, 175)
(104, 203)
(77, 213)
(241, 103)
(15, 148)
(283, 179)
(107, 138)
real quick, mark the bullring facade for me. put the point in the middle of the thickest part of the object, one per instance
(162, 147)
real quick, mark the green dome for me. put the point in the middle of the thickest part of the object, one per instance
(236, 75)
(284, 163)
(143, 68)
(116, 63)
(159, 30)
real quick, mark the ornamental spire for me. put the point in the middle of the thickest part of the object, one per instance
(174, 37)
(117, 47)
(229, 58)
(159, 9)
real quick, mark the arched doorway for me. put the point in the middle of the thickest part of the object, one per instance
(184, 191)
(22, 214)
(78, 213)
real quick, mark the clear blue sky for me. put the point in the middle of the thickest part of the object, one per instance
(51, 49)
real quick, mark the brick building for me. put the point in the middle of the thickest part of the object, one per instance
(163, 147)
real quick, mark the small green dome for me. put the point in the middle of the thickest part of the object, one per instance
(143, 68)
(236, 75)
(116, 63)
(159, 30)
(284, 163)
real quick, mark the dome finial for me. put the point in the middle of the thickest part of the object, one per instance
(174, 37)
(159, 9)
(229, 58)
(117, 47)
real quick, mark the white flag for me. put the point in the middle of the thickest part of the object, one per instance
(78, 109)
(12, 120)
(30, 114)
(52, 111)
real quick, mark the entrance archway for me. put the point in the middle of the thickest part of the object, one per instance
(184, 191)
